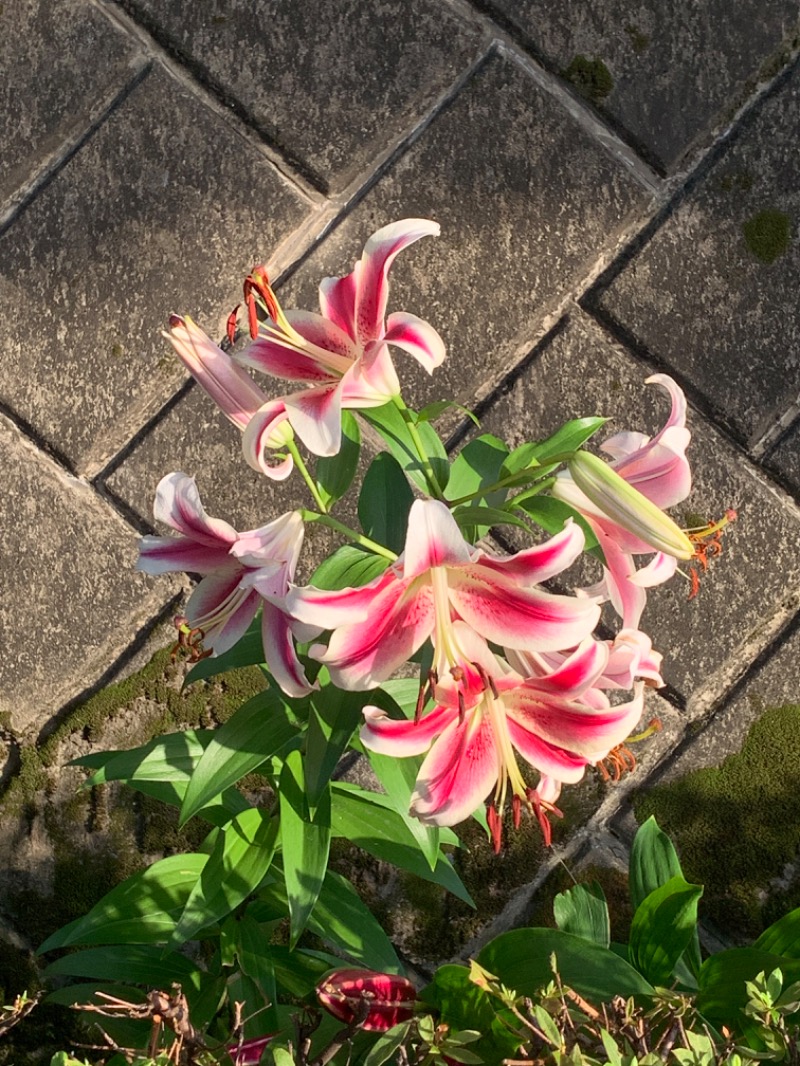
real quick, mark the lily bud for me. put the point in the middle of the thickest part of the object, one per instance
(626, 506)
(372, 1001)
(249, 1052)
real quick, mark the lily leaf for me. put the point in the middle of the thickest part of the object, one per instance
(385, 501)
(305, 841)
(663, 927)
(391, 425)
(334, 474)
(348, 567)
(582, 910)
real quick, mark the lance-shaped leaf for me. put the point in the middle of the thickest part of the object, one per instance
(782, 937)
(334, 474)
(305, 842)
(138, 963)
(162, 759)
(142, 910)
(521, 960)
(348, 567)
(653, 862)
(582, 910)
(384, 502)
(663, 927)
(391, 425)
(236, 867)
(478, 466)
(261, 728)
(335, 716)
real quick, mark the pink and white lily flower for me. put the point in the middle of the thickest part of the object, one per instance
(658, 468)
(440, 578)
(342, 355)
(631, 658)
(240, 573)
(473, 742)
(263, 422)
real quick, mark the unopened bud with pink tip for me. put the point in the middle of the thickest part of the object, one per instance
(616, 498)
(368, 1000)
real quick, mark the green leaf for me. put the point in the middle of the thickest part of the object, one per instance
(261, 728)
(334, 474)
(663, 927)
(398, 777)
(255, 959)
(384, 502)
(552, 515)
(162, 759)
(462, 1005)
(571, 436)
(782, 937)
(348, 567)
(236, 867)
(391, 425)
(135, 963)
(431, 411)
(486, 517)
(521, 960)
(297, 972)
(142, 910)
(722, 978)
(335, 716)
(478, 466)
(342, 919)
(281, 1056)
(367, 821)
(387, 1044)
(582, 910)
(248, 651)
(306, 843)
(653, 862)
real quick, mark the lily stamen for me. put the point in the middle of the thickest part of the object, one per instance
(620, 760)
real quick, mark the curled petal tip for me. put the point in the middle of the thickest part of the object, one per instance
(175, 321)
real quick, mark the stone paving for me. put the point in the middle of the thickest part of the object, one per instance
(617, 185)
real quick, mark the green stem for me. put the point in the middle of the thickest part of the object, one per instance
(346, 531)
(424, 458)
(487, 490)
(301, 466)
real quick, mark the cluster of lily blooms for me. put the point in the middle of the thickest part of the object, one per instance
(516, 670)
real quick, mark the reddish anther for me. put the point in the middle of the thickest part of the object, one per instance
(233, 320)
(495, 823)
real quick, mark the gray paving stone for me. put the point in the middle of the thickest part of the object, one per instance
(785, 459)
(709, 293)
(71, 600)
(59, 59)
(708, 640)
(773, 685)
(150, 217)
(332, 83)
(663, 72)
(524, 198)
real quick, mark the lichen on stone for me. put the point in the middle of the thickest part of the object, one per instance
(591, 77)
(768, 234)
(737, 827)
(640, 42)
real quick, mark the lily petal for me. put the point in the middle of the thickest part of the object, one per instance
(457, 775)
(416, 337)
(316, 417)
(378, 255)
(177, 504)
(392, 736)
(433, 539)
(267, 429)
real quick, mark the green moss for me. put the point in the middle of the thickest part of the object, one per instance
(768, 234)
(640, 42)
(591, 77)
(737, 827)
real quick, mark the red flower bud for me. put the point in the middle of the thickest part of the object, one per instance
(373, 1001)
(249, 1052)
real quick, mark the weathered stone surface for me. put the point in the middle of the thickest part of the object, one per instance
(582, 372)
(71, 600)
(525, 200)
(708, 294)
(52, 80)
(148, 218)
(665, 73)
(331, 83)
(785, 459)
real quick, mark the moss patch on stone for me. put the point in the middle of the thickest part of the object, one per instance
(737, 827)
(591, 77)
(640, 42)
(768, 234)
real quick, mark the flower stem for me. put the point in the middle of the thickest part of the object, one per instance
(351, 534)
(424, 458)
(293, 450)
